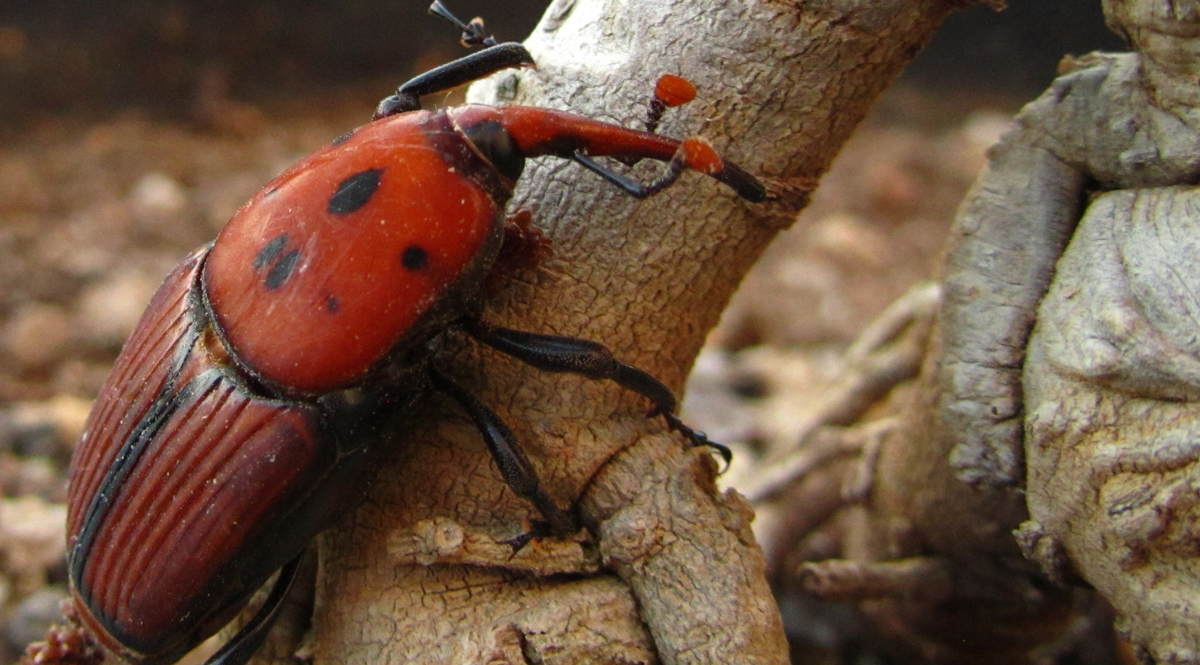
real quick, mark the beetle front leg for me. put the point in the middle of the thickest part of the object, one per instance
(628, 185)
(694, 153)
(554, 353)
(515, 467)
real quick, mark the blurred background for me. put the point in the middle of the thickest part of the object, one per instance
(130, 132)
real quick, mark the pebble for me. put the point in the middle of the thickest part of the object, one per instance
(109, 310)
(37, 335)
(62, 417)
(31, 618)
(32, 540)
(36, 441)
(157, 195)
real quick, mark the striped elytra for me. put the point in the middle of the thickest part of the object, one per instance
(163, 543)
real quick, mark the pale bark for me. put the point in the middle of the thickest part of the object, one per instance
(1112, 378)
(1059, 394)
(668, 570)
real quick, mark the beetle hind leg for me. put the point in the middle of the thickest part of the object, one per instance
(241, 647)
(553, 353)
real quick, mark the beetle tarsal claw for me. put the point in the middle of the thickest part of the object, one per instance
(537, 530)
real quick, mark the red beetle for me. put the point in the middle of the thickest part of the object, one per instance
(274, 366)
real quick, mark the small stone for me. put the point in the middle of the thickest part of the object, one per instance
(32, 540)
(158, 195)
(33, 617)
(38, 476)
(48, 428)
(111, 309)
(852, 240)
(983, 129)
(37, 335)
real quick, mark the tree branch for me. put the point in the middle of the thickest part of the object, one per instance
(781, 87)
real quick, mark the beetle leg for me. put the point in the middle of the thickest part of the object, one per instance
(693, 153)
(631, 187)
(242, 646)
(525, 246)
(553, 353)
(453, 74)
(515, 467)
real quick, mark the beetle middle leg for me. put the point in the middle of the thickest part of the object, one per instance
(554, 353)
(515, 467)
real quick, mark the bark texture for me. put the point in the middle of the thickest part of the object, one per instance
(1058, 398)
(668, 570)
(1111, 382)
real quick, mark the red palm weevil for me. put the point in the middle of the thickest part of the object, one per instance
(273, 367)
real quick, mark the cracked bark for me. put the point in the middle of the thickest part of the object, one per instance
(1056, 416)
(668, 571)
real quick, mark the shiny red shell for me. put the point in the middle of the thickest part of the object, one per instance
(223, 439)
(325, 271)
(157, 504)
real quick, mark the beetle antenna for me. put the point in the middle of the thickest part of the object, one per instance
(669, 91)
(472, 33)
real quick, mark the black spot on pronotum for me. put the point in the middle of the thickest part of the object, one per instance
(343, 138)
(415, 258)
(332, 304)
(282, 269)
(354, 192)
(270, 250)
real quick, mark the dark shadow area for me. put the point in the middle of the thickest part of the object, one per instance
(63, 57)
(1010, 53)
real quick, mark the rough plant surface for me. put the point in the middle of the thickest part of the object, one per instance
(1053, 421)
(875, 225)
(778, 95)
(1110, 379)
